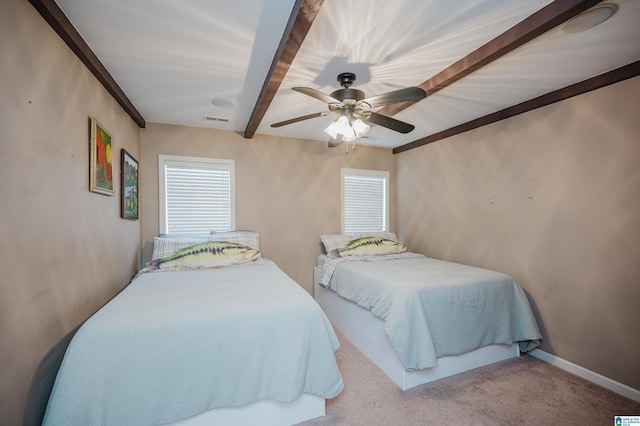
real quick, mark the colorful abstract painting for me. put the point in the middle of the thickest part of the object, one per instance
(101, 167)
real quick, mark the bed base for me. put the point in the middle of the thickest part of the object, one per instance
(366, 332)
(267, 413)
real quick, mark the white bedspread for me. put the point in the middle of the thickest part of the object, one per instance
(174, 344)
(433, 308)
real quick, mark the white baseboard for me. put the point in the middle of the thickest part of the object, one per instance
(596, 378)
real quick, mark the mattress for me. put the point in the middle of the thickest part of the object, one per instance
(432, 308)
(177, 343)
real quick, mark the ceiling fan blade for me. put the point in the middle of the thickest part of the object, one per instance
(409, 94)
(316, 94)
(334, 142)
(301, 118)
(388, 122)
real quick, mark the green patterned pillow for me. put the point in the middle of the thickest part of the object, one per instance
(209, 255)
(331, 242)
(168, 245)
(368, 246)
(247, 238)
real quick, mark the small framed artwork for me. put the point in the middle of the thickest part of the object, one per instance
(101, 159)
(129, 186)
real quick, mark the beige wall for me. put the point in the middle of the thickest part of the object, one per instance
(287, 190)
(551, 197)
(64, 251)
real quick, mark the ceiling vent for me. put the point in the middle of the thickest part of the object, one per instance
(219, 119)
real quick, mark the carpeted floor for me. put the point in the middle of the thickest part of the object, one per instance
(521, 391)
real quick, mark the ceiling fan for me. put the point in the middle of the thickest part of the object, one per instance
(354, 109)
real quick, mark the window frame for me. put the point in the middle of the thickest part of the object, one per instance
(377, 174)
(162, 187)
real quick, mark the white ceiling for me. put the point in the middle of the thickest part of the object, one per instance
(172, 58)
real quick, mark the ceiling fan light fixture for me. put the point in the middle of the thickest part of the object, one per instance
(350, 130)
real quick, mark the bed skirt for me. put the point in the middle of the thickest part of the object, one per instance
(267, 413)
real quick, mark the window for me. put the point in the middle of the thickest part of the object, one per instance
(365, 201)
(196, 195)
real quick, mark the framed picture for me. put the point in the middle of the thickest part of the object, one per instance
(129, 186)
(101, 159)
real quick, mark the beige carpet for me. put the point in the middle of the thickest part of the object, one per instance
(521, 391)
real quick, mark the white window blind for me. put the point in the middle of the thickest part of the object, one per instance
(365, 201)
(196, 195)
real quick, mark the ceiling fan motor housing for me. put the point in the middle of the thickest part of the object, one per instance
(346, 79)
(344, 94)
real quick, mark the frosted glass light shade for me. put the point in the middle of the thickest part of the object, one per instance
(349, 135)
(343, 124)
(332, 129)
(360, 128)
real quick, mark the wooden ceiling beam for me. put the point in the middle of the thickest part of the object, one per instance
(602, 80)
(56, 18)
(302, 16)
(550, 16)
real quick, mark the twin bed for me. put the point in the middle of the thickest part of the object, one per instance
(186, 344)
(420, 319)
(212, 333)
